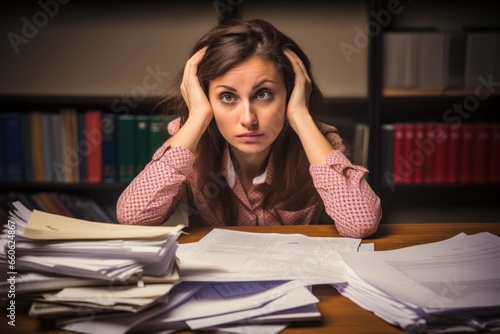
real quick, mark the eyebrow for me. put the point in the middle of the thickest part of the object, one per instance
(253, 87)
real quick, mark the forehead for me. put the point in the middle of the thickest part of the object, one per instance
(250, 71)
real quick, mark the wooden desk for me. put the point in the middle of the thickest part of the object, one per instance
(339, 314)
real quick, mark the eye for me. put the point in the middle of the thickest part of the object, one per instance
(264, 94)
(227, 97)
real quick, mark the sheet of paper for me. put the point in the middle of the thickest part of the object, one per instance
(107, 295)
(224, 255)
(88, 323)
(226, 297)
(295, 298)
(42, 225)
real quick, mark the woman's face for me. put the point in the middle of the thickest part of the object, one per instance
(249, 104)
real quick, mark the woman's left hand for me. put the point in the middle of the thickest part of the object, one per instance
(298, 105)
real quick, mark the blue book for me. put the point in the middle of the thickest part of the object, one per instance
(48, 156)
(3, 150)
(83, 153)
(26, 141)
(109, 153)
(13, 147)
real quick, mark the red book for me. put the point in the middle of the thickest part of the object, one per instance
(398, 152)
(481, 151)
(407, 164)
(441, 137)
(93, 140)
(467, 153)
(494, 169)
(429, 149)
(453, 153)
(419, 155)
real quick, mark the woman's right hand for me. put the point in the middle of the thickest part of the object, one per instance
(191, 90)
(200, 109)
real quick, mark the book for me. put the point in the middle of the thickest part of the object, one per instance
(93, 140)
(126, 143)
(26, 142)
(441, 137)
(82, 148)
(467, 146)
(109, 148)
(387, 152)
(56, 148)
(37, 148)
(398, 150)
(361, 138)
(419, 155)
(70, 144)
(48, 149)
(481, 58)
(482, 153)
(429, 149)
(494, 168)
(13, 146)
(407, 165)
(156, 134)
(142, 140)
(3, 150)
(453, 154)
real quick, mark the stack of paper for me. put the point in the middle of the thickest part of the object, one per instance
(229, 281)
(236, 282)
(237, 306)
(447, 286)
(67, 265)
(253, 282)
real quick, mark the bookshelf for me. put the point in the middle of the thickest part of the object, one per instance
(106, 181)
(418, 96)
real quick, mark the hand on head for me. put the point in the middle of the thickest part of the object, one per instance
(191, 90)
(299, 98)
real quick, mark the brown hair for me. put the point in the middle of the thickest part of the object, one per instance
(228, 44)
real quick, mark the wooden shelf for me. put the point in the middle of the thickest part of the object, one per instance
(422, 92)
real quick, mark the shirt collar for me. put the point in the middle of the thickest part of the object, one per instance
(230, 172)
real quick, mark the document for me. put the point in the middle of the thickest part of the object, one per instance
(446, 286)
(459, 272)
(230, 303)
(90, 250)
(225, 255)
(42, 225)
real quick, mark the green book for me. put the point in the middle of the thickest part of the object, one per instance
(142, 141)
(126, 148)
(156, 133)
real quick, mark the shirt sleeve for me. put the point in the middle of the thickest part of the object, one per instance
(154, 194)
(348, 198)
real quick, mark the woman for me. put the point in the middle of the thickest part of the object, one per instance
(246, 148)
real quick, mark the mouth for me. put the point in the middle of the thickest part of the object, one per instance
(250, 137)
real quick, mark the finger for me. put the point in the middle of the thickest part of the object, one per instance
(297, 64)
(191, 67)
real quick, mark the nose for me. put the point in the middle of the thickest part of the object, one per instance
(248, 118)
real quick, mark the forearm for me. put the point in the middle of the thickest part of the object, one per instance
(315, 144)
(348, 198)
(157, 191)
(190, 133)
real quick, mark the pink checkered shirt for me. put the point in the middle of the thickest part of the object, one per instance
(337, 187)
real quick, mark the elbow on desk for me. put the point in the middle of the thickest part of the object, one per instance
(129, 215)
(360, 229)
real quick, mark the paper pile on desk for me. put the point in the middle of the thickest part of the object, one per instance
(235, 307)
(447, 286)
(68, 264)
(237, 282)
(252, 282)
